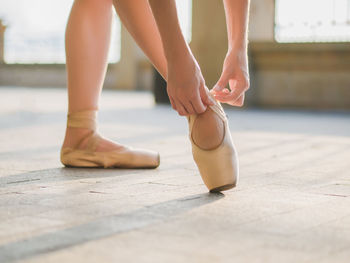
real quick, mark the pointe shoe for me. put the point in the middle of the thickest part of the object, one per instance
(218, 167)
(125, 157)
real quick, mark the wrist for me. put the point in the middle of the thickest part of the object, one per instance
(239, 50)
(238, 46)
(240, 42)
(178, 53)
(237, 56)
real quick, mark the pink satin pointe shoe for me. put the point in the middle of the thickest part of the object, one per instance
(218, 167)
(124, 157)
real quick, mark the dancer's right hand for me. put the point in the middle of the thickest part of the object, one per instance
(186, 86)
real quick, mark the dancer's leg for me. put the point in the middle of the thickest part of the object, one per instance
(87, 42)
(139, 20)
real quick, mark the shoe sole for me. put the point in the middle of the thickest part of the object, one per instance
(112, 167)
(222, 188)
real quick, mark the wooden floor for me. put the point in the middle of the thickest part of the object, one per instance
(292, 203)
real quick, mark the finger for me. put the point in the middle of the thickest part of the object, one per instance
(235, 93)
(239, 102)
(198, 110)
(198, 105)
(222, 83)
(227, 98)
(223, 92)
(190, 108)
(205, 96)
(173, 105)
(181, 109)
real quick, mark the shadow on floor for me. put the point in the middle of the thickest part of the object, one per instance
(63, 174)
(104, 227)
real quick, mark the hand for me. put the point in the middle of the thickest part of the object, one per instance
(186, 86)
(235, 74)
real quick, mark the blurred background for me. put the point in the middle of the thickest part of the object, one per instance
(292, 136)
(299, 50)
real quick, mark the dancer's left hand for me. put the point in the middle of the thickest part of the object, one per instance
(235, 74)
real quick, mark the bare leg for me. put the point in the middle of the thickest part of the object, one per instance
(87, 42)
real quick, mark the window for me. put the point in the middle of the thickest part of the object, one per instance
(312, 20)
(184, 11)
(35, 30)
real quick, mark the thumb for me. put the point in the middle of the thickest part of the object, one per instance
(221, 84)
(206, 98)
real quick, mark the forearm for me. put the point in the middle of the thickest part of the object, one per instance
(166, 18)
(185, 83)
(237, 16)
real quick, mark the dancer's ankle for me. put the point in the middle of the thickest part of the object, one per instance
(74, 136)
